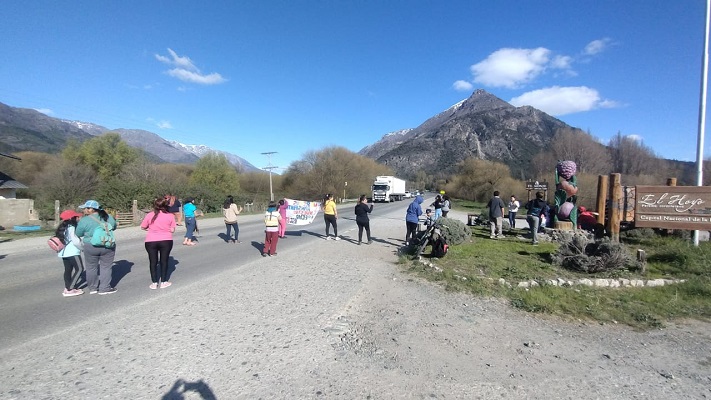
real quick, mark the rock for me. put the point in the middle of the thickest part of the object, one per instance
(655, 282)
(602, 283)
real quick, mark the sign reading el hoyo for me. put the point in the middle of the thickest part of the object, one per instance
(673, 207)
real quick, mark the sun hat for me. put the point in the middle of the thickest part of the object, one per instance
(91, 204)
(66, 215)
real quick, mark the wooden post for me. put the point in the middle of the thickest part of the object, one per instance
(134, 210)
(602, 184)
(615, 201)
(642, 258)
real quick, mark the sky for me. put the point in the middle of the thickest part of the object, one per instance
(293, 76)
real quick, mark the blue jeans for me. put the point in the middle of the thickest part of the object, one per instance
(437, 214)
(533, 223)
(190, 226)
(512, 219)
(229, 227)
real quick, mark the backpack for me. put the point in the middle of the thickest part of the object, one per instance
(439, 246)
(103, 236)
(55, 244)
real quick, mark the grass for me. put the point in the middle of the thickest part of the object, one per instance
(476, 267)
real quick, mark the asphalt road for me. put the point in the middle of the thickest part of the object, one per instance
(33, 313)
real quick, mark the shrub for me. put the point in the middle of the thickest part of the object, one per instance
(454, 231)
(582, 254)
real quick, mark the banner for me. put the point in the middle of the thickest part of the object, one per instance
(299, 212)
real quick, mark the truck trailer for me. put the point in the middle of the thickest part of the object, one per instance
(388, 189)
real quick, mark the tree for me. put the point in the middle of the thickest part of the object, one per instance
(631, 157)
(328, 170)
(477, 179)
(106, 154)
(212, 180)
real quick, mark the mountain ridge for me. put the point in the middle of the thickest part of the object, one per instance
(24, 129)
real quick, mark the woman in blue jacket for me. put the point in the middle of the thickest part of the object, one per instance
(412, 218)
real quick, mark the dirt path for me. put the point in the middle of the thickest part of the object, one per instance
(337, 320)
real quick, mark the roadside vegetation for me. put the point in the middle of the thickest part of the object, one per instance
(477, 265)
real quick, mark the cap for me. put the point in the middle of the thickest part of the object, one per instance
(91, 204)
(189, 200)
(66, 215)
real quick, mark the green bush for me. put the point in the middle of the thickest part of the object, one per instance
(454, 231)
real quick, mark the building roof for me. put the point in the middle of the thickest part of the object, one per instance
(6, 182)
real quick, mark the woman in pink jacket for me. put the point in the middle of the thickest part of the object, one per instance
(283, 205)
(160, 225)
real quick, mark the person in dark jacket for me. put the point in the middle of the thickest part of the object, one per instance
(362, 209)
(412, 218)
(535, 209)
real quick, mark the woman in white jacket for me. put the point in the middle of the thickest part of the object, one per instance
(71, 253)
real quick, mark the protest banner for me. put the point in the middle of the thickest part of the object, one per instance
(299, 212)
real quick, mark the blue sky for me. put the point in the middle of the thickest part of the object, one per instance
(250, 77)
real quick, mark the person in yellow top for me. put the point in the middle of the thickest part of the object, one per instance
(330, 215)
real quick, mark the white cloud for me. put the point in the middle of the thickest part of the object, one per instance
(462, 86)
(164, 125)
(511, 68)
(636, 138)
(596, 46)
(186, 71)
(45, 111)
(563, 100)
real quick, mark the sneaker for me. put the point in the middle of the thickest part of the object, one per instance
(370, 242)
(502, 236)
(153, 286)
(492, 237)
(164, 285)
(329, 238)
(337, 238)
(274, 254)
(93, 291)
(264, 254)
(110, 291)
(70, 293)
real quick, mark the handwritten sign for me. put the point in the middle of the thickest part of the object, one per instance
(673, 207)
(299, 212)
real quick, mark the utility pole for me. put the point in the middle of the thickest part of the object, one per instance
(269, 168)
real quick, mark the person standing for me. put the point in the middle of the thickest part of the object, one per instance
(174, 208)
(513, 209)
(160, 225)
(99, 259)
(496, 216)
(190, 222)
(271, 222)
(283, 205)
(412, 219)
(437, 204)
(361, 211)
(71, 253)
(330, 216)
(230, 210)
(535, 210)
(445, 205)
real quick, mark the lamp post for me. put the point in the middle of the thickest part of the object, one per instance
(270, 167)
(344, 191)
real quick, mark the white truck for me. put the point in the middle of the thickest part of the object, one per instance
(388, 188)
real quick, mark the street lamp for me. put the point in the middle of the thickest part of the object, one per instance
(270, 167)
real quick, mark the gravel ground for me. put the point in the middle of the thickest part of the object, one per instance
(337, 320)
